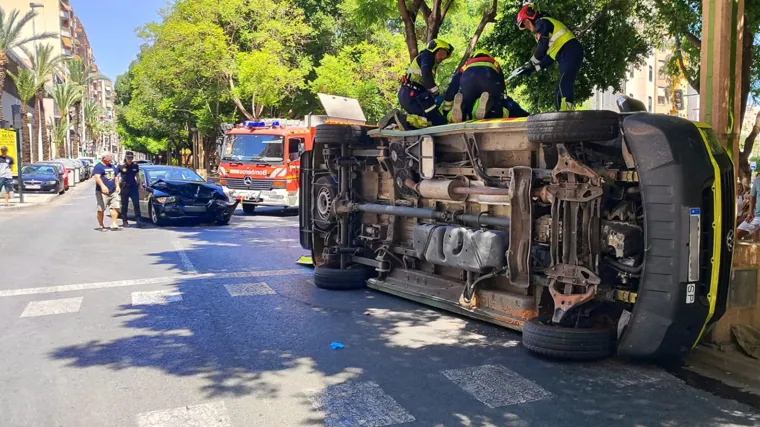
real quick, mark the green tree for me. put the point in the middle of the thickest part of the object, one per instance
(11, 27)
(606, 29)
(44, 65)
(65, 95)
(59, 132)
(26, 86)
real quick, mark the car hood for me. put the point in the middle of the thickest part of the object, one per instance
(40, 177)
(190, 190)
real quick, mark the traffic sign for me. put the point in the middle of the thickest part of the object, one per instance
(753, 165)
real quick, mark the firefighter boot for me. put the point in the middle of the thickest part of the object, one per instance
(456, 112)
(566, 106)
(482, 109)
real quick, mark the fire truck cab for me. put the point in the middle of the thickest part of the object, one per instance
(260, 160)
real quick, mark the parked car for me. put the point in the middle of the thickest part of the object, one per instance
(86, 169)
(66, 175)
(143, 162)
(42, 177)
(171, 192)
(73, 165)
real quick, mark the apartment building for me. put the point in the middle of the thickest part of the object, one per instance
(59, 17)
(650, 84)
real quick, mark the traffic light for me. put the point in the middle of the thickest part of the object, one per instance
(678, 99)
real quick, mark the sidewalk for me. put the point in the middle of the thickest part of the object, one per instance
(36, 199)
(728, 365)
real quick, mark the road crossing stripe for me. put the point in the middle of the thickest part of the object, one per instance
(153, 281)
(187, 265)
(206, 415)
(55, 306)
(496, 386)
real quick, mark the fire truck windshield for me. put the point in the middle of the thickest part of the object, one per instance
(253, 148)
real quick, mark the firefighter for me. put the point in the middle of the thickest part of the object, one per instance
(478, 91)
(555, 43)
(130, 184)
(418, 94)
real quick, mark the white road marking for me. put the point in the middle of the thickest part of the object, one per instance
(169, 280)
(617, 373)
(186, 264)
(156, 297)
(358, 404)
(203, 415)
(249, 289)
(53, 306)
(496, 386)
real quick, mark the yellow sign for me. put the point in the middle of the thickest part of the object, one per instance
(8, 139)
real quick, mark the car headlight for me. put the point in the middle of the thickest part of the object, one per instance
(168, 199)
(52, 182)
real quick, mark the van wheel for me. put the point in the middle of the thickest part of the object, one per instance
(561, 342)
(336, 279)
(340, 134)
(249, 209)
(573, 126)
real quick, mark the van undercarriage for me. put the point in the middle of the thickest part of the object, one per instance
(592, 232)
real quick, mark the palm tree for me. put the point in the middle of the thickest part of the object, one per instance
(92, 112)
(44, 65)
(81, 75)
(26, 86)
(66, 95)
(59, 131)
(11, 27)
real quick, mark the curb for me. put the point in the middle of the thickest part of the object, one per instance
(729, 367)
(55, 197)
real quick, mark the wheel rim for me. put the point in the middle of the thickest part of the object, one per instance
(323, 203)
(153, 215)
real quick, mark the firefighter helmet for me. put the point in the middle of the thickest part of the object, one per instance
(526, 13)
(435, 44)
(481, 52)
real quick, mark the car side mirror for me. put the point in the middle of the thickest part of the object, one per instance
(301, 147)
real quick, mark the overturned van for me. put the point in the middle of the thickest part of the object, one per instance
(592, 232)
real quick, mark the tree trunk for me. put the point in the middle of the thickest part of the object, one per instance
(236, 100)
(749, 143)
(77, 136)
(3, 72)
(747, 41)
(489, 15)
(409, 33)
(46, 153)
(26, 143)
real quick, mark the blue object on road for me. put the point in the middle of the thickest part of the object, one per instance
(336, 345)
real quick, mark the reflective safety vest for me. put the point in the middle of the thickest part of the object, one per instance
(482, 61)
(558, 37)
(414, 72)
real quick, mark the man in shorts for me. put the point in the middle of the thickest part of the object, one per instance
(751, 222)
(6, 174)
(107, 190)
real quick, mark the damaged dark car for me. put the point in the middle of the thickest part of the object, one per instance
(175, 193)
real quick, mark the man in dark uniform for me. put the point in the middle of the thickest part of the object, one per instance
(477, 91)
(130, 185)
(555, 43)
(418, 95)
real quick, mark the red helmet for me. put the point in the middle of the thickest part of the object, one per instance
(527, 13)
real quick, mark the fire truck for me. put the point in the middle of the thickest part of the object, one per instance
(260, 160)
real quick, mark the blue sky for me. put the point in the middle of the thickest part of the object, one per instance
(110, 26)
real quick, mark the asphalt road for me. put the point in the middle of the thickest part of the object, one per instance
(213, 326)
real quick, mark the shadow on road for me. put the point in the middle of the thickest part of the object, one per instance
(276, 345)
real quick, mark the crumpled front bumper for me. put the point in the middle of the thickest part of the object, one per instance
(213, 210)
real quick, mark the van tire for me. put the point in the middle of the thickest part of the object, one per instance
(561, 342)
(336, 279)
(249, 209)
(341, 134)
(573, 126)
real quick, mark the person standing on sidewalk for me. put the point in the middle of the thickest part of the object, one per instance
(107, 190)
(6, 174)
(130, 185)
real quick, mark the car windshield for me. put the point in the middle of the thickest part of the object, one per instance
(173, 174)
(38, 169)
(254, 148)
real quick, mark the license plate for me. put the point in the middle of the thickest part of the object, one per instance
(254, 195)
(32, 187)
(195, 209)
